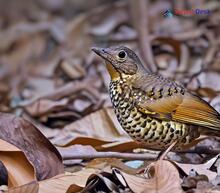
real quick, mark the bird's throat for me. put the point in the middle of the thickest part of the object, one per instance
(112, 71)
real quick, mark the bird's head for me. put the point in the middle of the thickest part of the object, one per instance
(120, 61)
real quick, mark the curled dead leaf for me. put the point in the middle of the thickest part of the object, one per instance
(19, 169)
(66, 183)
(164, 179)
(21, 140)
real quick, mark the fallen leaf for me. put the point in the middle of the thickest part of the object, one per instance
(20, 171)
(102, 181)
(164, 179)
(68, 182)
(32, 187)
(22, 135)
(61, 183)
(44, 106)
(103, 163)
(101, 124)
(101, 127)
(199, 168)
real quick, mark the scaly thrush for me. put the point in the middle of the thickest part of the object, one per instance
(154, 110)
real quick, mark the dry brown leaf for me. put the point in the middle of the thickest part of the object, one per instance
(41, 154)
(20, 171)
(201, 169)
(27, 188)
(101, 127)
(101, 124)
(103, 163)
(165, 179)
(61, 183)
(100, 145)
(102, 182)
(44, 106)
(68, 140)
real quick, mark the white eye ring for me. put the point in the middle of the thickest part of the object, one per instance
(121, 56)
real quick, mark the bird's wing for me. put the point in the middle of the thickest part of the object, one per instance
(164, 99)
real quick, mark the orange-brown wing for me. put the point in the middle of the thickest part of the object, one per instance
(185, 108)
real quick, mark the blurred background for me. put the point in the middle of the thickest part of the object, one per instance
(49, 75)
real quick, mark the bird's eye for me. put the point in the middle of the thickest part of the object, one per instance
(122, 55)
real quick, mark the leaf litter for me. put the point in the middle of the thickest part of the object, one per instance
(58, 129)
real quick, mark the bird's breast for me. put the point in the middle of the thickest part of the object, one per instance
(143, 128)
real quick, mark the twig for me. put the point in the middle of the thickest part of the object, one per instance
(128, 156)
(132, 156)
(140, 17)
(64, 91)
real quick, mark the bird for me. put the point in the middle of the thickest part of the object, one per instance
(155, 111)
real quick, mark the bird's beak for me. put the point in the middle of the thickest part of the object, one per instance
(101, 52)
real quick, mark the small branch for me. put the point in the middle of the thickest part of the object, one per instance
(63, 91)
(127, 156)
(68, 154)
(140, 17)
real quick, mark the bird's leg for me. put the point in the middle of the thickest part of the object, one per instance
(163, 155)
